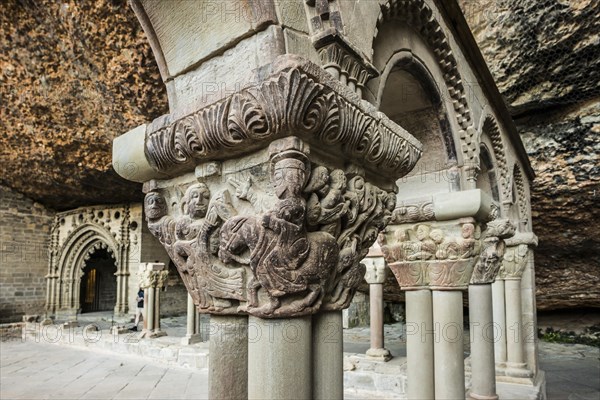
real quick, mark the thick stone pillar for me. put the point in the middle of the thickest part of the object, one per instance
(375, 277)
(419, 344)
(328, 355)
(153, 277)
(499, 313)
(192, 333)
(483, 366)
(279, 358)
(228, 357)
(448, 348)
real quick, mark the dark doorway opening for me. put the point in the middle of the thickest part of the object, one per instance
(99, 283)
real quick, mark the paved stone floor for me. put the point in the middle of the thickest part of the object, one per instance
(40, 370)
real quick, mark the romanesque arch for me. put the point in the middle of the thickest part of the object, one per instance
(421, 20)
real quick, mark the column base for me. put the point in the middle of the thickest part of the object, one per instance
(379, 354)
(152, 334)
(517, 370)
(191, 339)
(475, 396)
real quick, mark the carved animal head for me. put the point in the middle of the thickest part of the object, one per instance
(233, 242)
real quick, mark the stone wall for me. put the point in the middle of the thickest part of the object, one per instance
(24, 233)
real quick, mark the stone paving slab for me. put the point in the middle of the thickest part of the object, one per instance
(163, 368)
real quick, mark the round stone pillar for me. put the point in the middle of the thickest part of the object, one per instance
(499, 315)
(448, 348)
(483, 365)
(279, 358)
(375, 277)
(483, 371)
(419, 344)
(228, 357)
(328, 355)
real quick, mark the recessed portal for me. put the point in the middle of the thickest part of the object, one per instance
(99, 283)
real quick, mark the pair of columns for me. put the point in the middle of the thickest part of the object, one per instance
(509, 349)
(153, 277)
(282, 358)
(192, 332)
(435, 262)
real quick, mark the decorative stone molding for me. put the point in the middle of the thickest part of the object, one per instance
(493, 250)
(413, 211)
(344, 63)
(439, 256)
(419, 15)
(489, 126)
(281, 238)
(299, 98)
(376, 271)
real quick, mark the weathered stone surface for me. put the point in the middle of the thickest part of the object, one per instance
(75, 74)
(24, 231)
(545, 57)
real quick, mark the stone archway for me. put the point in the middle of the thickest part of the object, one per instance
(98, 283)
(80, 239)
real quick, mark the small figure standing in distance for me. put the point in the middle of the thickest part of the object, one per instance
(139, 310)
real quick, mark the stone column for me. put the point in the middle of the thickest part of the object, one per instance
(272, 230)
(419, 344)
(433, 262)
(228, 357)
(499, 314)
(483, 366)
(514, 262)
(448, 345)
(192, 334)
(328, 355)
(375, 277)
(153, 277)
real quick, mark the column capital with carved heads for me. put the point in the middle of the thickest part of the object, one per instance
(516, 255)
(267, 200)
(492, 250)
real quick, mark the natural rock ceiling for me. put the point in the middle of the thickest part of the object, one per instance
(75, 74)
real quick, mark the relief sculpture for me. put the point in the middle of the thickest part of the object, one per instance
(297, 256)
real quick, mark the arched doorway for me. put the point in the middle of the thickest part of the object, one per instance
(98, 286)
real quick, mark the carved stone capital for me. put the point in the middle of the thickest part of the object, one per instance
(278, 233)
(438, 255)
(514, 261)
(152, 275)
(376, 270)
(492, 252)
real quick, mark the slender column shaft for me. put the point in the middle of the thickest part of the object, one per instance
(419, 344)
(448, 347)
(149, 302)
(191, 316)
(513, 321)
(376, 315)
(228, 358)
(156, 309)
(328, 355)
(279, 358)
(499, 311)
(119, 301)
(483, 367)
